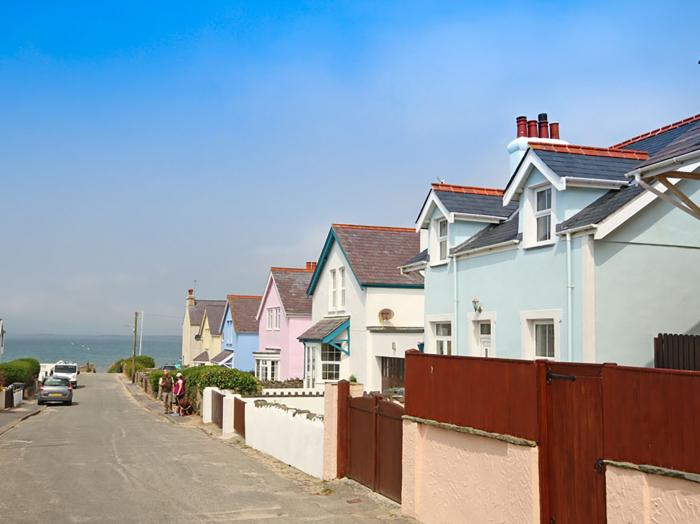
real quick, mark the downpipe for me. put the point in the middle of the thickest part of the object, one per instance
(569, 300)
(455, 322)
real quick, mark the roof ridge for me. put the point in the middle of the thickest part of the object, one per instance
(292, 269)
(658, 131)
(474, 190)
(375, 228)
(243, 296)
(592, 151)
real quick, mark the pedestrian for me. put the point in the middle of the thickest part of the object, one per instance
(180, 389)
(165, 384)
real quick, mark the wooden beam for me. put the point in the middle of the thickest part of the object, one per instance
(674, 174)
(667, 198)
(679, 194)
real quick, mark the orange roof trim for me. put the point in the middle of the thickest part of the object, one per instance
(473, 190)
(243, 296)
(291, 269)
(592, 151)
(375, 228)
(658, 131)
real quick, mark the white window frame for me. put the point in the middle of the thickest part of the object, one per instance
(342, 296)
(531, 215)
(443, 239)
(443, 344)
(264, 367)
(544, 213)
(474, 320)
(273, 318)
(333, 290)
(536, 324)
(528, 320)
(435, 240)
(334, 363)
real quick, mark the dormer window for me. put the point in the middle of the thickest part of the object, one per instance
(442, 239)
(543, 214)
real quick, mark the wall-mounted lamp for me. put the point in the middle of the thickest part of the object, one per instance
(478, 308)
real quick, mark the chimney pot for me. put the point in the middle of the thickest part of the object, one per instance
(543, 125)
(311, 267)
(554, 130)
(521, 125)
(532, 128)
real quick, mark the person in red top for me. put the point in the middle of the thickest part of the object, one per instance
(179, 391)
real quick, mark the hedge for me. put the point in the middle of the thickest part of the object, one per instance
(124, 365)
(20, 370)
(200, 377)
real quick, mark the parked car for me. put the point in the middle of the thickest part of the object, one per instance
(55, 389)
(67, 370)
(169, 367)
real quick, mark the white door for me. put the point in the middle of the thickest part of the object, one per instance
(485, 339)
(310, 366)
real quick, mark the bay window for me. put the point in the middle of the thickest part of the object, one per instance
(330, 363)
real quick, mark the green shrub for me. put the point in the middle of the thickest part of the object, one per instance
(200, 377)
(124, 365)
(21, 370)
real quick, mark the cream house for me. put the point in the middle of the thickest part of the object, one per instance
(191, 326)
(365, 313)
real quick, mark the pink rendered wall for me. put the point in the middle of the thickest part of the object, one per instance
(292, 351)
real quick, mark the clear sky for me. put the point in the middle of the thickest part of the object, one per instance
(144, 145)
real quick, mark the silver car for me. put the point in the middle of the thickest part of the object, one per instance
(55, 390)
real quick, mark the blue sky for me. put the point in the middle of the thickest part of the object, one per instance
(144, 145)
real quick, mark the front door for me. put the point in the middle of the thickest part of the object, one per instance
(309, 366)
(485, 338)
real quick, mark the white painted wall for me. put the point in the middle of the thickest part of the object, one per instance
(207, 404)
(292, 437)
(314, 404)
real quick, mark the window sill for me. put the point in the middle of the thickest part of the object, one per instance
(538, 245)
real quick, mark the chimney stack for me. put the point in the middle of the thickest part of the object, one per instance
(532, 129)
(521, 123)
(311, 267)
(190, 297)
(544, 125)
(554, 130)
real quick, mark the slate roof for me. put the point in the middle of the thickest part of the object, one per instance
(473, 200)
(685, 142)
(322, 329)
(292, 284)
(491, 236)
(375, 253)
(215, 313)
(654, 141)
(243, 310)
(202, 357)
(222, 357)
(197, 311)
(601, 208)
(588, 166)
(420, 257)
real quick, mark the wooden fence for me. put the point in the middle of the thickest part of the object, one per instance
(677, 351)
(239, 416)
(642, 416)
(217, 408)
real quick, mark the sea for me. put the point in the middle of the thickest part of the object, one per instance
(101, 350)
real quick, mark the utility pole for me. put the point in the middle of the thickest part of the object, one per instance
(141, 335)
(133, 354)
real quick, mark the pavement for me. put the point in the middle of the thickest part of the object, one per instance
(10, 417)
(112, 457)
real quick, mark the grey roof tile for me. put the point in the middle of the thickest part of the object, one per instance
(472, 204)
(601, 208)
(196, 312)
(588, 166)
(291, 285)
(215, 312)
(244, 308)
(658, 141)
(684, 143)
(491, 235)
(420, 257)
(202, 357)
(322, 329)
(222, 357)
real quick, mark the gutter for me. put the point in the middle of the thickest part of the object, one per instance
(468, 252)
(663, 164)
(578, 229)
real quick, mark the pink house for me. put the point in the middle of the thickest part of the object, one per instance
(284, 314)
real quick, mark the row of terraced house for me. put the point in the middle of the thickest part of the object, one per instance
(572, 260)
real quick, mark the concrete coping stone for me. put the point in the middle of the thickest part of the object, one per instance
(518, 441)
(285, 394)
(295, 412)
(655, 470)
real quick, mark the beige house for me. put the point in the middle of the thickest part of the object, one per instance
(192, 324)
(210, 329)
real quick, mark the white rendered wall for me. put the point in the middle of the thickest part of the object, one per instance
(313, 404)
(290, 436)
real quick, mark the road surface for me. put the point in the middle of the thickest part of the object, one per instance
(108, 459)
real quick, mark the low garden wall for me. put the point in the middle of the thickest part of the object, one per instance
(294, 436)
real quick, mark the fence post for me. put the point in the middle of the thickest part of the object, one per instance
(542, 440)
(343, 416)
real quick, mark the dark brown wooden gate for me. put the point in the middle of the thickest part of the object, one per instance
(677, 351)
(374, 444)
(239, 416)
(572, 430)
(217, 408)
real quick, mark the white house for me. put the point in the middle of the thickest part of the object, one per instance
(365, 313)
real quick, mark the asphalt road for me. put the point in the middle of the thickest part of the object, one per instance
(107, 459)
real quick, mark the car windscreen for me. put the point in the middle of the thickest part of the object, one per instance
(65, 369)
(55, 381)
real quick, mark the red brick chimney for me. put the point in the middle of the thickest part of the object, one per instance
(521, 123)
(543, 125)
(190, 297)
(311, 267)
(554, 130)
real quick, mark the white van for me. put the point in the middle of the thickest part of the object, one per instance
(67, 370)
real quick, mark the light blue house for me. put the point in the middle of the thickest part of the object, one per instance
(573, 260)
(240, 331)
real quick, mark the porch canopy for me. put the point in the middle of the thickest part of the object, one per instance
(203, 357)
(222, 358)
(679, 160)
(326, 331)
